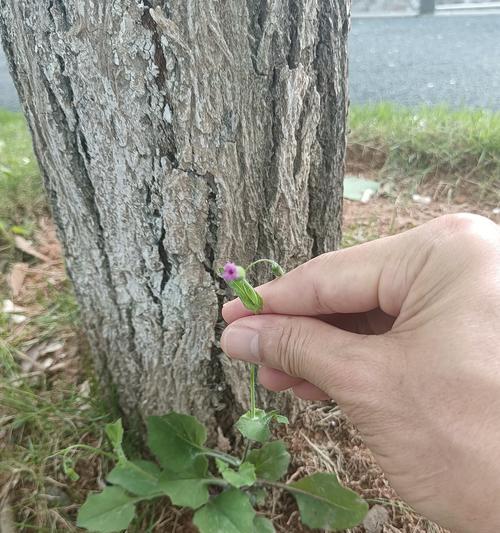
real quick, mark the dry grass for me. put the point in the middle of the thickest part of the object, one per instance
(45, 393)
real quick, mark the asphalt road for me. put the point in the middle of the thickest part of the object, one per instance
(408, 60)
(426, 60)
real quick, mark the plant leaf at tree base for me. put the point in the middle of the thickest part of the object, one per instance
(138, 477)
(229, 512)
(108, 511)
(255, 426)
(271, 461)
(325, 504)
(244, 476)
(177, 441)
(263, 525)
(186, 489)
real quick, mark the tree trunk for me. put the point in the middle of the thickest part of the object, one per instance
(172, 136)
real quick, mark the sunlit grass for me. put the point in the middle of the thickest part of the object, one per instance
(462, 146)
(21, 194)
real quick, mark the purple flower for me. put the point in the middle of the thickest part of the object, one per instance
(232, 272)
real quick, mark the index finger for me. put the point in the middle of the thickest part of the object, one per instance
(353, 280)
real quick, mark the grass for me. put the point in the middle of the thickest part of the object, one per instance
(41, 412)
(21, 196)
(429, 143)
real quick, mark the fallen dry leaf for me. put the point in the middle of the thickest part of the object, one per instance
(18, 319)
(8, 306)
(16, 278)
(376, 519)
(6, 517)
(223, 443)
(26, 247)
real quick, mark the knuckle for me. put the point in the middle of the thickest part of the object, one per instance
(468, 228)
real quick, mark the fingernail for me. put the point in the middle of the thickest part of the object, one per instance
(241, 343)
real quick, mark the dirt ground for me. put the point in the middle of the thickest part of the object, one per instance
(322, 439)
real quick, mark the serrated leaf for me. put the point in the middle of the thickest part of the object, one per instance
(325, 504)
(138, 477)
(108, 511)
(256, 426)
(229, 512)
(249, 297)
(177, 441)
(271, 461)
(244, 476)
(261, 524)
(185, 489)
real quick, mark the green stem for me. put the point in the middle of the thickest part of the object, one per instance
(229, 459)
(252, 390)
(270, 261)
(295, 490)
(246, 450)
(216, 481)
(82, 447)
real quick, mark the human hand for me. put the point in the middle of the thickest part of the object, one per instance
(404, 333)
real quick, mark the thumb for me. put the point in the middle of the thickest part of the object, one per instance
(345, 365)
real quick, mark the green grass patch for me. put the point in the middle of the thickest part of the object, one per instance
(459, 146)
(21, 192)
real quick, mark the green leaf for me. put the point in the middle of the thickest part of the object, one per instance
(114, 432)
(256, 427)
(280, 419)
(325, 504)
(244, 476)
(271, 461)
(261, 524)
(177, 441)
(249, 297)
(138, 477)
(257, 495)
(69, 469)
(185, 489)
(229, 512)
(110, 510)
(19, 230)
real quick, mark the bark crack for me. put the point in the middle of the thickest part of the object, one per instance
(293, 56)
(164, 259)
(216, 375)
(159, 57)
(255, 31)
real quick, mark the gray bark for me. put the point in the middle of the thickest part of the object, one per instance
(173, 137)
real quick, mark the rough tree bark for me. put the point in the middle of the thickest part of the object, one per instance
(174, 135)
